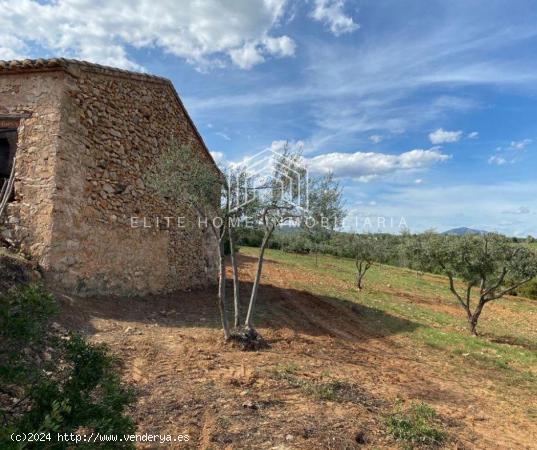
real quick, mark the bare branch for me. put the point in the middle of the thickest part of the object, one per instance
(508, 290)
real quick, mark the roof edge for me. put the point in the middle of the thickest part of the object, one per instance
(67, 65)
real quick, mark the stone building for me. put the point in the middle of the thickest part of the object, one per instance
(82, 136)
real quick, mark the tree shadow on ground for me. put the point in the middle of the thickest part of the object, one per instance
(277, 309)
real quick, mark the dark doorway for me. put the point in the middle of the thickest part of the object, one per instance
(4, 158)
(8, 147)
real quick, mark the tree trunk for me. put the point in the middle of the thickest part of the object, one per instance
(249, 316)
(362, 269)
(472, 325)
(222, 285)
(236, 293)
(359, 279)
(473, 318)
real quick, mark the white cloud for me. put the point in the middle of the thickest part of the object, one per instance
(281, 46)
(330, 12)
(479, 206)
(418, 181)
(247, 56)
(352, 89)
(223, 135)
(360, 166)
(519, 145)
(518, 211)
(366, 166)
(294, 146)
(442, 136)
(201, 32)
(376, 138)
(218, 157)
(510, 154)
(362, 88)
(473, 135)
(275, 146)
(11, 47)
(498, 160)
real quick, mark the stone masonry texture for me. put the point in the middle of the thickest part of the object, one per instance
(86, 136)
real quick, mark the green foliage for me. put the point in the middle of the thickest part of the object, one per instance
(325, 211)
(287, 368)
(331, 390)
(415, 426)
(249, 236)
(368, 248)
(297, 244)
(287, 239)
(23, 314)
(403, 250)
(287, 372)
(490, 261)
(490, 264)
(181, 175)
(274, 196)
(528, 290)
(55, 382)
(510, 343)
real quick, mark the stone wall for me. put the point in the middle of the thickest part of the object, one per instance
(37, 100)
(109, 129)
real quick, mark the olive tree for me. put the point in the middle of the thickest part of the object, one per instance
(366, 250)
(181, 175)
(237, 210)
(235, 274)
(278, 199)
(325, 212)
(490, 267)
(285, 196)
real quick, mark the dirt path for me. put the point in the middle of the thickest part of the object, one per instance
(190, 382)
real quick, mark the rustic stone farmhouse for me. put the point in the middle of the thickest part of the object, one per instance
(81, 137)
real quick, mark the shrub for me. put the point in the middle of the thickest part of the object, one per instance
(52, 381)
(24, 313)
(528, 290)
(416, 425)
(249, 237)
(296, 244)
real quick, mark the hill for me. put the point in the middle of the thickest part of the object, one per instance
(461, 231)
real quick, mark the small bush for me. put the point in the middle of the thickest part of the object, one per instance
(53, 381)
(332, 390)
(287, 372)
(249, 237)
(528, 290)
(416, 425)
(297, 244)
(23, 313)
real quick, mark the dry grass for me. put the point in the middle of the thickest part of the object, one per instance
(337, 362)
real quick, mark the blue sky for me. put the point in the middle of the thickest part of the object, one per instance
(424, 109)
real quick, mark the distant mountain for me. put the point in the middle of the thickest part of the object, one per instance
(461, 231)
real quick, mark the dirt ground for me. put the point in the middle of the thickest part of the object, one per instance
(190, 382)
